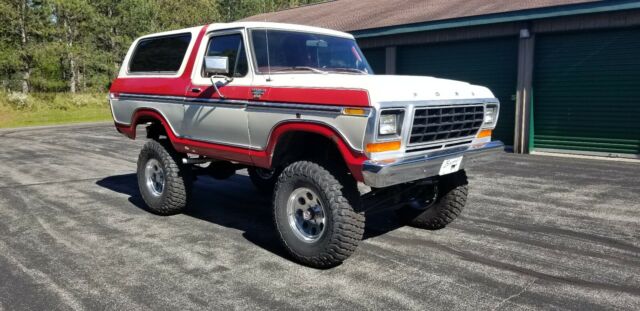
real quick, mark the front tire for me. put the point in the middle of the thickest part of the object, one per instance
(452, 197)
(164, 183)
(315, 215)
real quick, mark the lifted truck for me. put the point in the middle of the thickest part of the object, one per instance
(302, 110)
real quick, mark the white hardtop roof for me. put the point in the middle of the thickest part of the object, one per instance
(171, 32)
(278, 26)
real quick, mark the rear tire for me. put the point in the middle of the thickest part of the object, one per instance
(164, 183)
(452, 197)
(315, 216)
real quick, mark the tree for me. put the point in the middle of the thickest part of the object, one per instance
(232, 10)
(176, 14)
(25, 25)
(75, 20)
(77, 45)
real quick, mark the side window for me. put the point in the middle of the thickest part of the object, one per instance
(160, 55)
(231, 46)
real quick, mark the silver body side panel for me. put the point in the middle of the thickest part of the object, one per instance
(263, 120)
(169, 107)
(244, 124)
(219, 123)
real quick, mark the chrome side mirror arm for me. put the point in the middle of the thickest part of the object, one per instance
(215, 85)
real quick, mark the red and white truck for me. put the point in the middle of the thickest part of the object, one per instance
(301, 109)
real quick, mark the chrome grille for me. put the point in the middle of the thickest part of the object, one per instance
(434, 124)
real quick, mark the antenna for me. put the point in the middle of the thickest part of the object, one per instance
(266, 34)
(266, 31)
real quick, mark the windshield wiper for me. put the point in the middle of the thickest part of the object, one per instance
(350, 70)
(316, 70)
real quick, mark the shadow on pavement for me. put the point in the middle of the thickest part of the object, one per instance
(234, 203)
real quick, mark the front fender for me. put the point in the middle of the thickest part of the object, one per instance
(352, 158)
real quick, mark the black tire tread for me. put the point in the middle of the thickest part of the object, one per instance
(178, 178)
(348, 228)
(453, 190)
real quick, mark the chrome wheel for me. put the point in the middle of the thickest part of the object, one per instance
(306, 214)
(154, 176)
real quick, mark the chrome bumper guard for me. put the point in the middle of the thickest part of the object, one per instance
(380, 174)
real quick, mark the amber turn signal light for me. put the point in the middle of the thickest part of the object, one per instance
(354, 111)
(484, 133)
(384, 146)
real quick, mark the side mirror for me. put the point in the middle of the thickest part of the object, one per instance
(216, 65)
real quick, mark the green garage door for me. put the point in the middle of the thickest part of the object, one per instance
(586, 92)
(491, 63)
(376, 59)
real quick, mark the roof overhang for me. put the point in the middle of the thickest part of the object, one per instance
(513, 16)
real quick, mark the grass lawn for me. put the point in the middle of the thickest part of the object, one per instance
(17, 110)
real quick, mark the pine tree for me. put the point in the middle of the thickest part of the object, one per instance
(24, 28)
(77, 45)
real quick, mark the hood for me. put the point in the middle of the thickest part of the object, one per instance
(389, 88)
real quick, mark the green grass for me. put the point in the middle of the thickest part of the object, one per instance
(17, 110)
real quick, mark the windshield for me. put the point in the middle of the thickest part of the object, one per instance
(306, 52)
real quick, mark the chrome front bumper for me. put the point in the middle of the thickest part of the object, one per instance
(380, 174)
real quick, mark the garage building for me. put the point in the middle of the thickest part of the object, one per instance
(566, 71)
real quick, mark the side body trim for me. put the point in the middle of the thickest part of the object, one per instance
(214, 101)
(263, 116)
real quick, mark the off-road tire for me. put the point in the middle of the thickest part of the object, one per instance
(178, 179)
(264, 185)
(344, 225)
(452, 197)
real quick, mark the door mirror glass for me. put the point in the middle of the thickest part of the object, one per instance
(216, 65)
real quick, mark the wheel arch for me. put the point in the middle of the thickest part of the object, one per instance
(298, 134)
(146, 115)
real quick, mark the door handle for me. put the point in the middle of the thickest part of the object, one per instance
(195, 90)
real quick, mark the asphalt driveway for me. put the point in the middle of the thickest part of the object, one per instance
(538, 232)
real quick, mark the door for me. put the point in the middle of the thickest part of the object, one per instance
(491, 63)
(219, 116)
(585, 92)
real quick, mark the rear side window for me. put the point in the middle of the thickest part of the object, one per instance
(160, 55)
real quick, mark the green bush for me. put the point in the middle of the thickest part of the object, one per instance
(18, 109)
(56, 101)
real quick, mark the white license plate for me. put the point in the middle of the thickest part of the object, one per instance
(450, 166)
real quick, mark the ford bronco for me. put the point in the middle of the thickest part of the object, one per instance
(301, 109)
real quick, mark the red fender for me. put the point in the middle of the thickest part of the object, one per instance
(352, 158)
